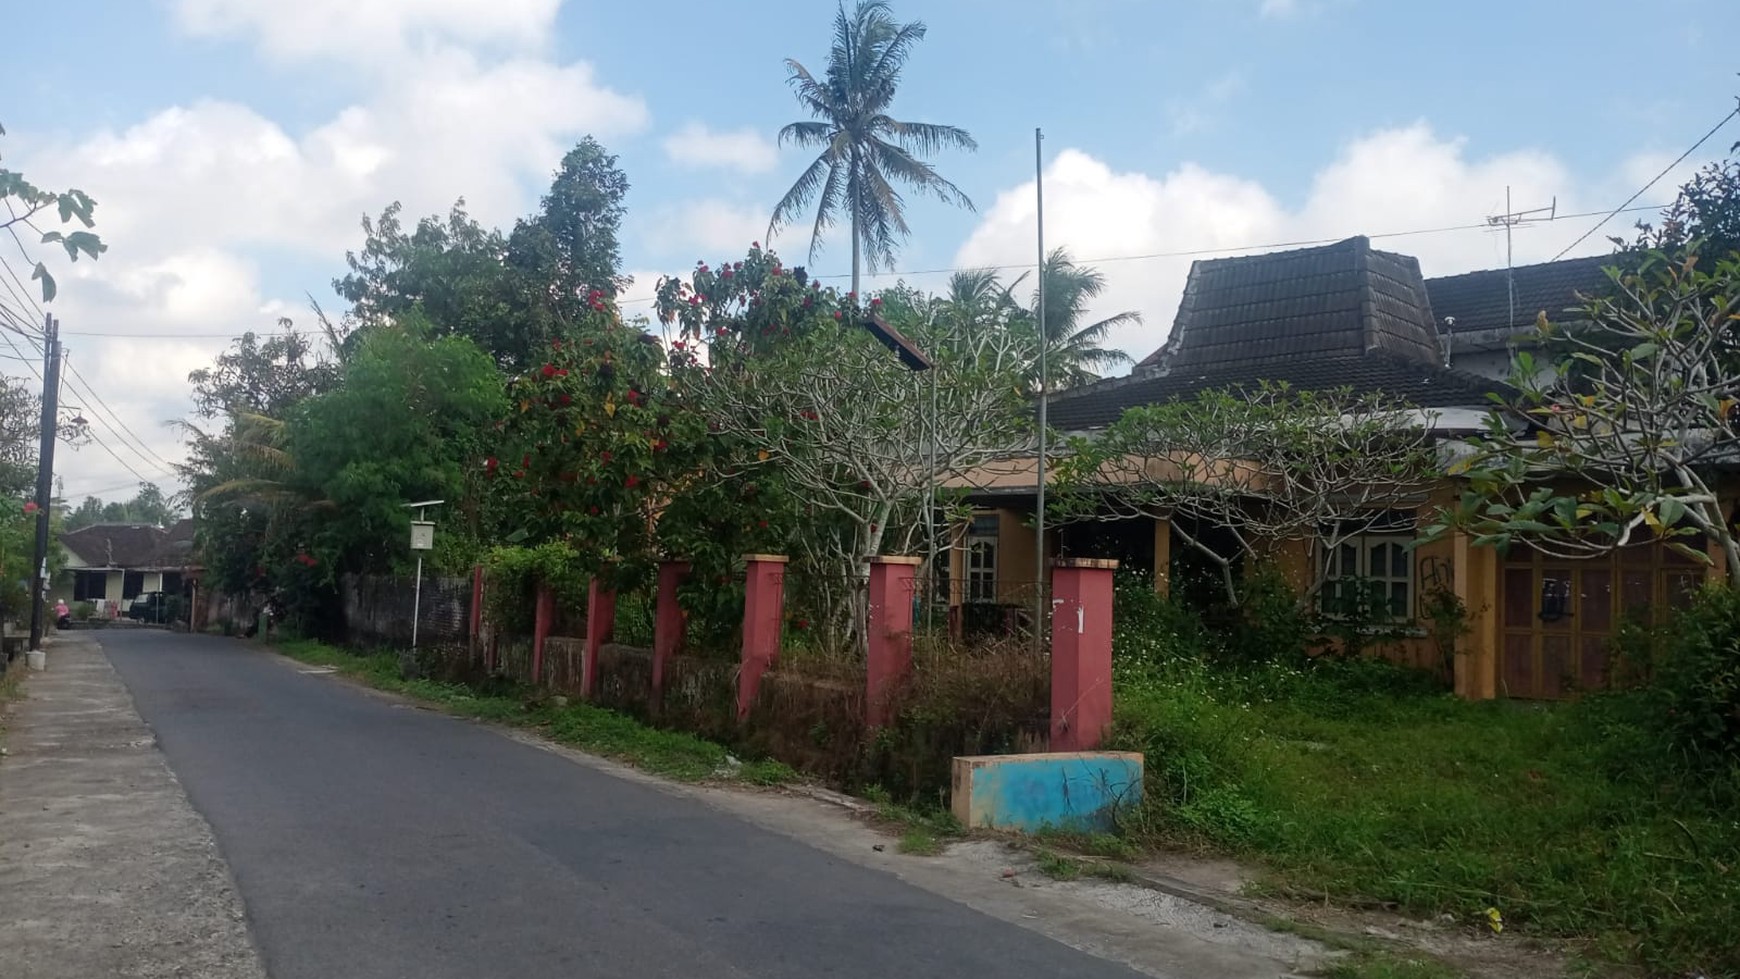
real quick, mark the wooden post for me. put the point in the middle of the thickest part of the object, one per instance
(889, 659)
(1081, 653)
(763, 614)
(669, 624)
(600, 626)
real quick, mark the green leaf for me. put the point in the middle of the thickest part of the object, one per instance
(1672, 510)
(49, 289)
(1643, 351)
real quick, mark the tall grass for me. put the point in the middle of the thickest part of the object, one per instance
(1362, 781)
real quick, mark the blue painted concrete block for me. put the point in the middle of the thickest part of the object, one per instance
(1081, 791)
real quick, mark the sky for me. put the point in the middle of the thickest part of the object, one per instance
(234, 146)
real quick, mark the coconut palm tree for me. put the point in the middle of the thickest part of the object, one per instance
(864, 151)
(1075, 352)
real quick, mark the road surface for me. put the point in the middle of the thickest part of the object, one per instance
(371, 839)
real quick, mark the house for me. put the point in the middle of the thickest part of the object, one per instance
(1350, 315)
(109, 565)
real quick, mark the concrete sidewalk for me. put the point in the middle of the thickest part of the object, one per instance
(105, 868)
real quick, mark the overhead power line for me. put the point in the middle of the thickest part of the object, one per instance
(897, 273)
(119, 425)
(1652, 182)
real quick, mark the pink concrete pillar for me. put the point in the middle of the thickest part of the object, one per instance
(543, 613)
(669, 623)
(763, 612)
(600, 627)
(889, 659)
(1081, 653)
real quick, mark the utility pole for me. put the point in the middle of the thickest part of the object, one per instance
(45, 470)
(1039, 602)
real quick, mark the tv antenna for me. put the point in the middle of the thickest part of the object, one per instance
(1508, 220)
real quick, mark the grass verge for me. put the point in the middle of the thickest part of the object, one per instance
(594, 729)
(11, 688)
(1356, 783)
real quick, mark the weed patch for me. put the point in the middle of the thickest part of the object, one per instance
(600, 731)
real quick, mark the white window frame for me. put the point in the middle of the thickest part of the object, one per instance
(980, 579)
(1375, 558)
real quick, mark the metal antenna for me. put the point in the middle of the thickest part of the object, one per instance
(1510, 219)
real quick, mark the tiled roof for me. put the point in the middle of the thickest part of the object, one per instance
(1338, 300)
(1422, 384)
(1480, 301)
(125, 546)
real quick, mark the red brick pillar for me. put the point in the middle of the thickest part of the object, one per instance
(600, 626)
(763, 614)
(1081, 653)
(889, 659)
(669, 623)
(543, 613)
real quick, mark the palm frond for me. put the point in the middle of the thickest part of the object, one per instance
(928, 138)
(801, 193)
(904, 167)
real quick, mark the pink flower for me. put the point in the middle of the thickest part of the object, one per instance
(31, 507)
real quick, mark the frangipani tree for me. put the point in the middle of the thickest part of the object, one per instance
(797, 375)
(1623, 434)
(1239, 472)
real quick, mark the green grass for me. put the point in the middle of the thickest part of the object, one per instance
(920, 842)
(594, 729)
(1062, 866)
(1385, 964)
(1354, 783)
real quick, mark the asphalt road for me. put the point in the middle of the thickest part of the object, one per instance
(371, 840)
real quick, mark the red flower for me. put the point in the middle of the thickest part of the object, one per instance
(490, 464)
(755, 244)
(31, 507)
(726, 274)
(851, 295)
(800, 624)
(604, 456)
(592, 510)
(631, 482)
(525, 460)
(723, 330)
(695, 300)
(875, 302)
(761, 525)
(561, 372)
(567, 399)
(659, 446)
(549, 370)
(836, 314)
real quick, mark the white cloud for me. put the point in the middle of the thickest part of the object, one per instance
(1392, 180)
(1200, 110)
(368, 31)
(1280, 9)
(190, 195)
(710, 228)
(695, 145)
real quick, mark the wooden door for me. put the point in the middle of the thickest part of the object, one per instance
(1558, 616)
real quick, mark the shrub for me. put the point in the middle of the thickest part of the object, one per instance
(1692, 668)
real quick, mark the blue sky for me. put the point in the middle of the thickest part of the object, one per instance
(233, 145)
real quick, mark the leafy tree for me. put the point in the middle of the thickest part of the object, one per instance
(1622, 435)
(510, 295)
(263, 377)
(1242, 472)
(25, 204)
(148, 506)
(1075, 351)
(864, 150)
(20, 423)
(1706, 211)
(407, 420)
(569, 247)
(793, 374)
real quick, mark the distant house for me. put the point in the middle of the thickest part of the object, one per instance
(109, 565)
(1349, 315)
